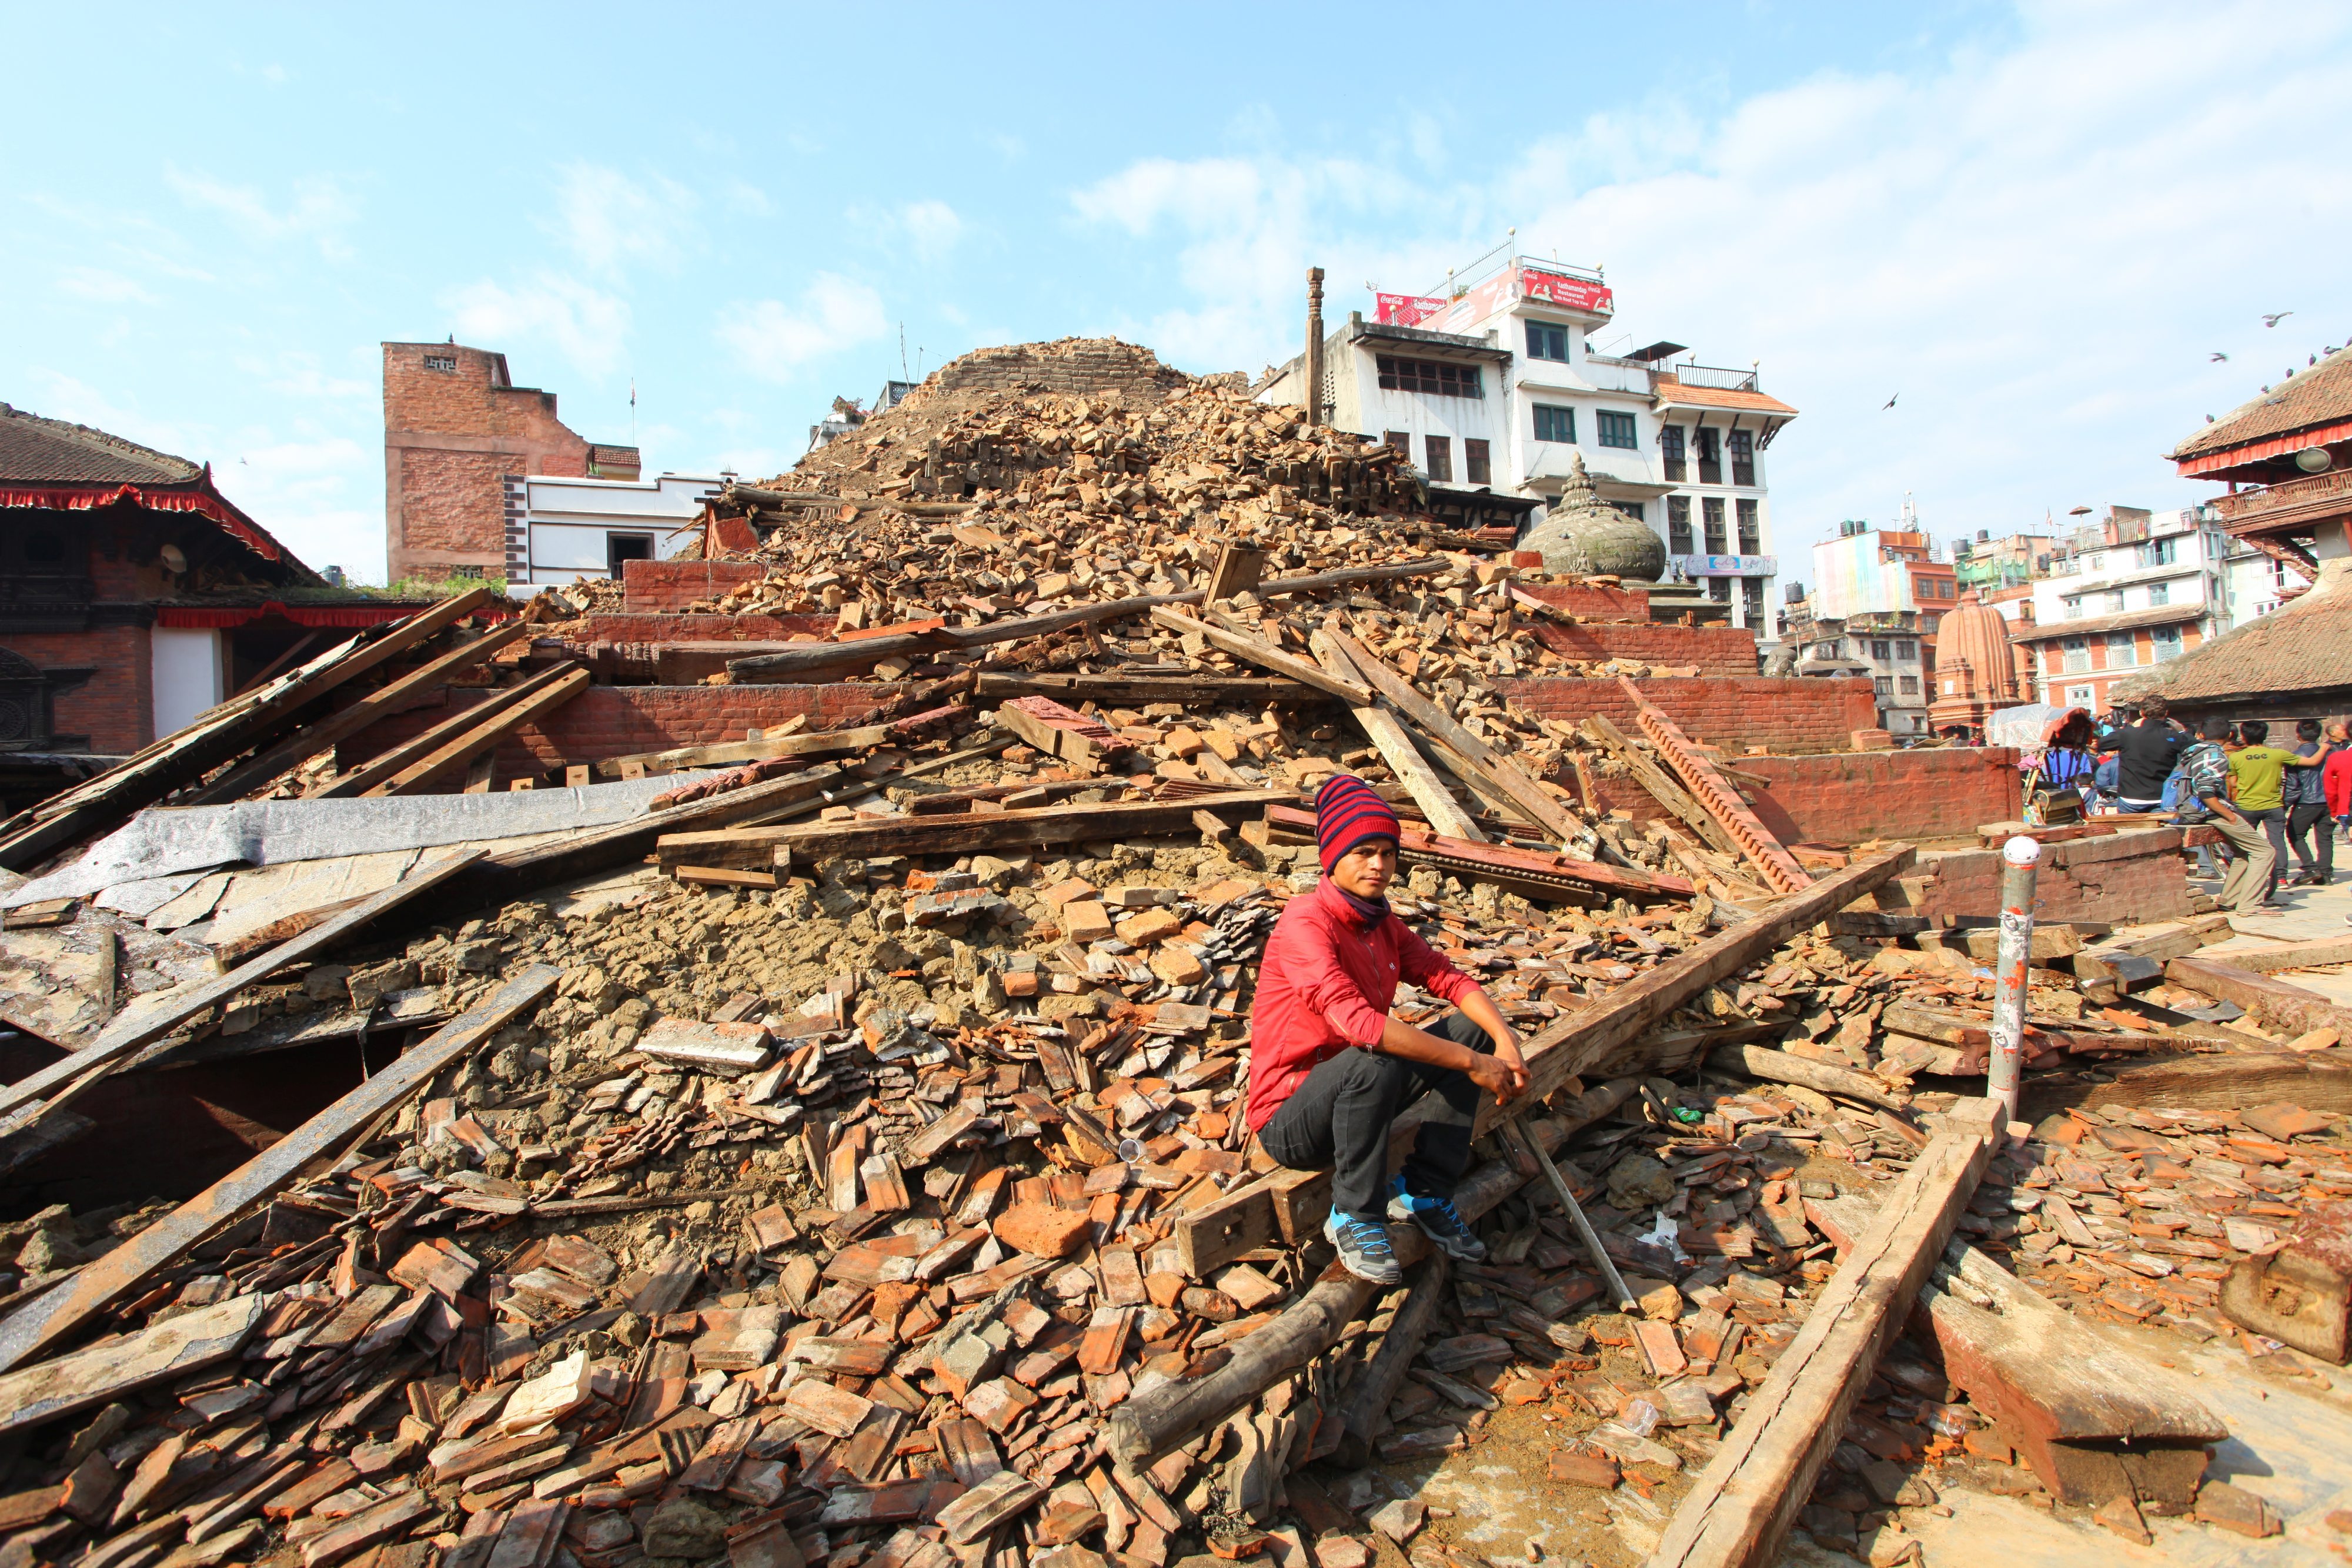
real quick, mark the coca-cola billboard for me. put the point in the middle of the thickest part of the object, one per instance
(1574, 293)
(1406, 309)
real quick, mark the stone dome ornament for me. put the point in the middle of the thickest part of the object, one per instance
(1585, 534)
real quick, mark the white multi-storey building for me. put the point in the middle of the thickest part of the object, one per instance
(565, 529)
(1495, 390)
(2133, 591)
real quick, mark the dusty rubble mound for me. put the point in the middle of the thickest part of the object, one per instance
(834, 1150)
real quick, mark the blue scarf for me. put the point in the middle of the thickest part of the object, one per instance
(1370, 910)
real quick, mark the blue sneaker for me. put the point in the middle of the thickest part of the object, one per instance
(1364, 1248)
(1439, 1220)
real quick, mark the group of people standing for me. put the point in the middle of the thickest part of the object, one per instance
(2266, 801)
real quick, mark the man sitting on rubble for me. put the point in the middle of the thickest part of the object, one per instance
(1331, 1070)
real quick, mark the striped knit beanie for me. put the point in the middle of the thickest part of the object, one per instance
(1348, 811)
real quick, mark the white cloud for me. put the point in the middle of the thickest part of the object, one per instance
(932, 228)
(925, 231)
(102, 286)
(2036, 245)
(612, 222)
(585, 325)
(315, 495)
(319, 209)
(774, 340)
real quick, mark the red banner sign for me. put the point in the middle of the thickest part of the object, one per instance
(1575, 293)
(1406, 309)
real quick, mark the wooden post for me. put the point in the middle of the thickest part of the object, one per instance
(1739, 1510)
(1313, 366)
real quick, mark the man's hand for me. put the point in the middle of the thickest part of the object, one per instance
(1505, 1081)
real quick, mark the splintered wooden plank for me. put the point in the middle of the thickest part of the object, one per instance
(392, 697)
(163, 1011)
(544, 698)
(964, 832)
(2272, 1002)
(1584, 1038)
(2088, 1413)
(1209, 1239)
(1739, 1510)
(1490, 768)
(215, 736)
(1354, 693)
(1396, 748)
(170, 1348)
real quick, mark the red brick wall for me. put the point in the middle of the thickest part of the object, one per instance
(116, 706)
(618, 721)
(668, 585)
(661, 627)
(1716, 650)
(1590, 599)
(449, 439)
(1788, 715)
(1845, 797)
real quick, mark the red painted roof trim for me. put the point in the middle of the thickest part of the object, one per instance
(2259, 451)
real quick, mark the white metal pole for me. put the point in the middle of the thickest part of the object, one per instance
(2020, 857)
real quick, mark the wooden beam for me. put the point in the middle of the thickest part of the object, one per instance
(2093, 1418)
(501, 879)
(1739, 1512)
(317, 736)
(1604, 731)
(2273, 1002)
(807, 743)
(54, 1317)
(411, 780)
(2326, 953)
(1716, 796)
(1396, 748)
(1575, 1043)
(172, 1347)
(959, 833)
(364, 779)
(828, 655)
(217, 736)
(1364, 1417)
(1265, 655)
(1137, 691)
(157, 1015)
(1502, 775)
(1238, 570)
(1534, 873)
(1172, 1415)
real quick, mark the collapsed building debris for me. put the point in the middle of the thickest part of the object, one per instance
(826, 1144)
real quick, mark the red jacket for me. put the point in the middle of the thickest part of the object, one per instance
(2335, 781)
(1327, 982)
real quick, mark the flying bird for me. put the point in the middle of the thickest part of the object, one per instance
(2218, 357)
(1890, 402)
(2274, 318)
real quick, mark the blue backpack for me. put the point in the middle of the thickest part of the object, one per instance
(2108, 776)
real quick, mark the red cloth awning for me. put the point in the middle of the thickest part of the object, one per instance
(2258, 451)
(154, 498)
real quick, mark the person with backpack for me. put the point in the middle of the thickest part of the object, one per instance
(2145, 755)
(2206, 784)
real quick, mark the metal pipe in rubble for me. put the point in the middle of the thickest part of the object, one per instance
(2020, 857)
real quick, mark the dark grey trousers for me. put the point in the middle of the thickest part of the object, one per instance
(1339, 1119)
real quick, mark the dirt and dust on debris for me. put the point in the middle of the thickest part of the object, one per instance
(828, 1146)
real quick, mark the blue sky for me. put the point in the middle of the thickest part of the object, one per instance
(2034, 224)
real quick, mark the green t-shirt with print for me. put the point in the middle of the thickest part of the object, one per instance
(2256, 771)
